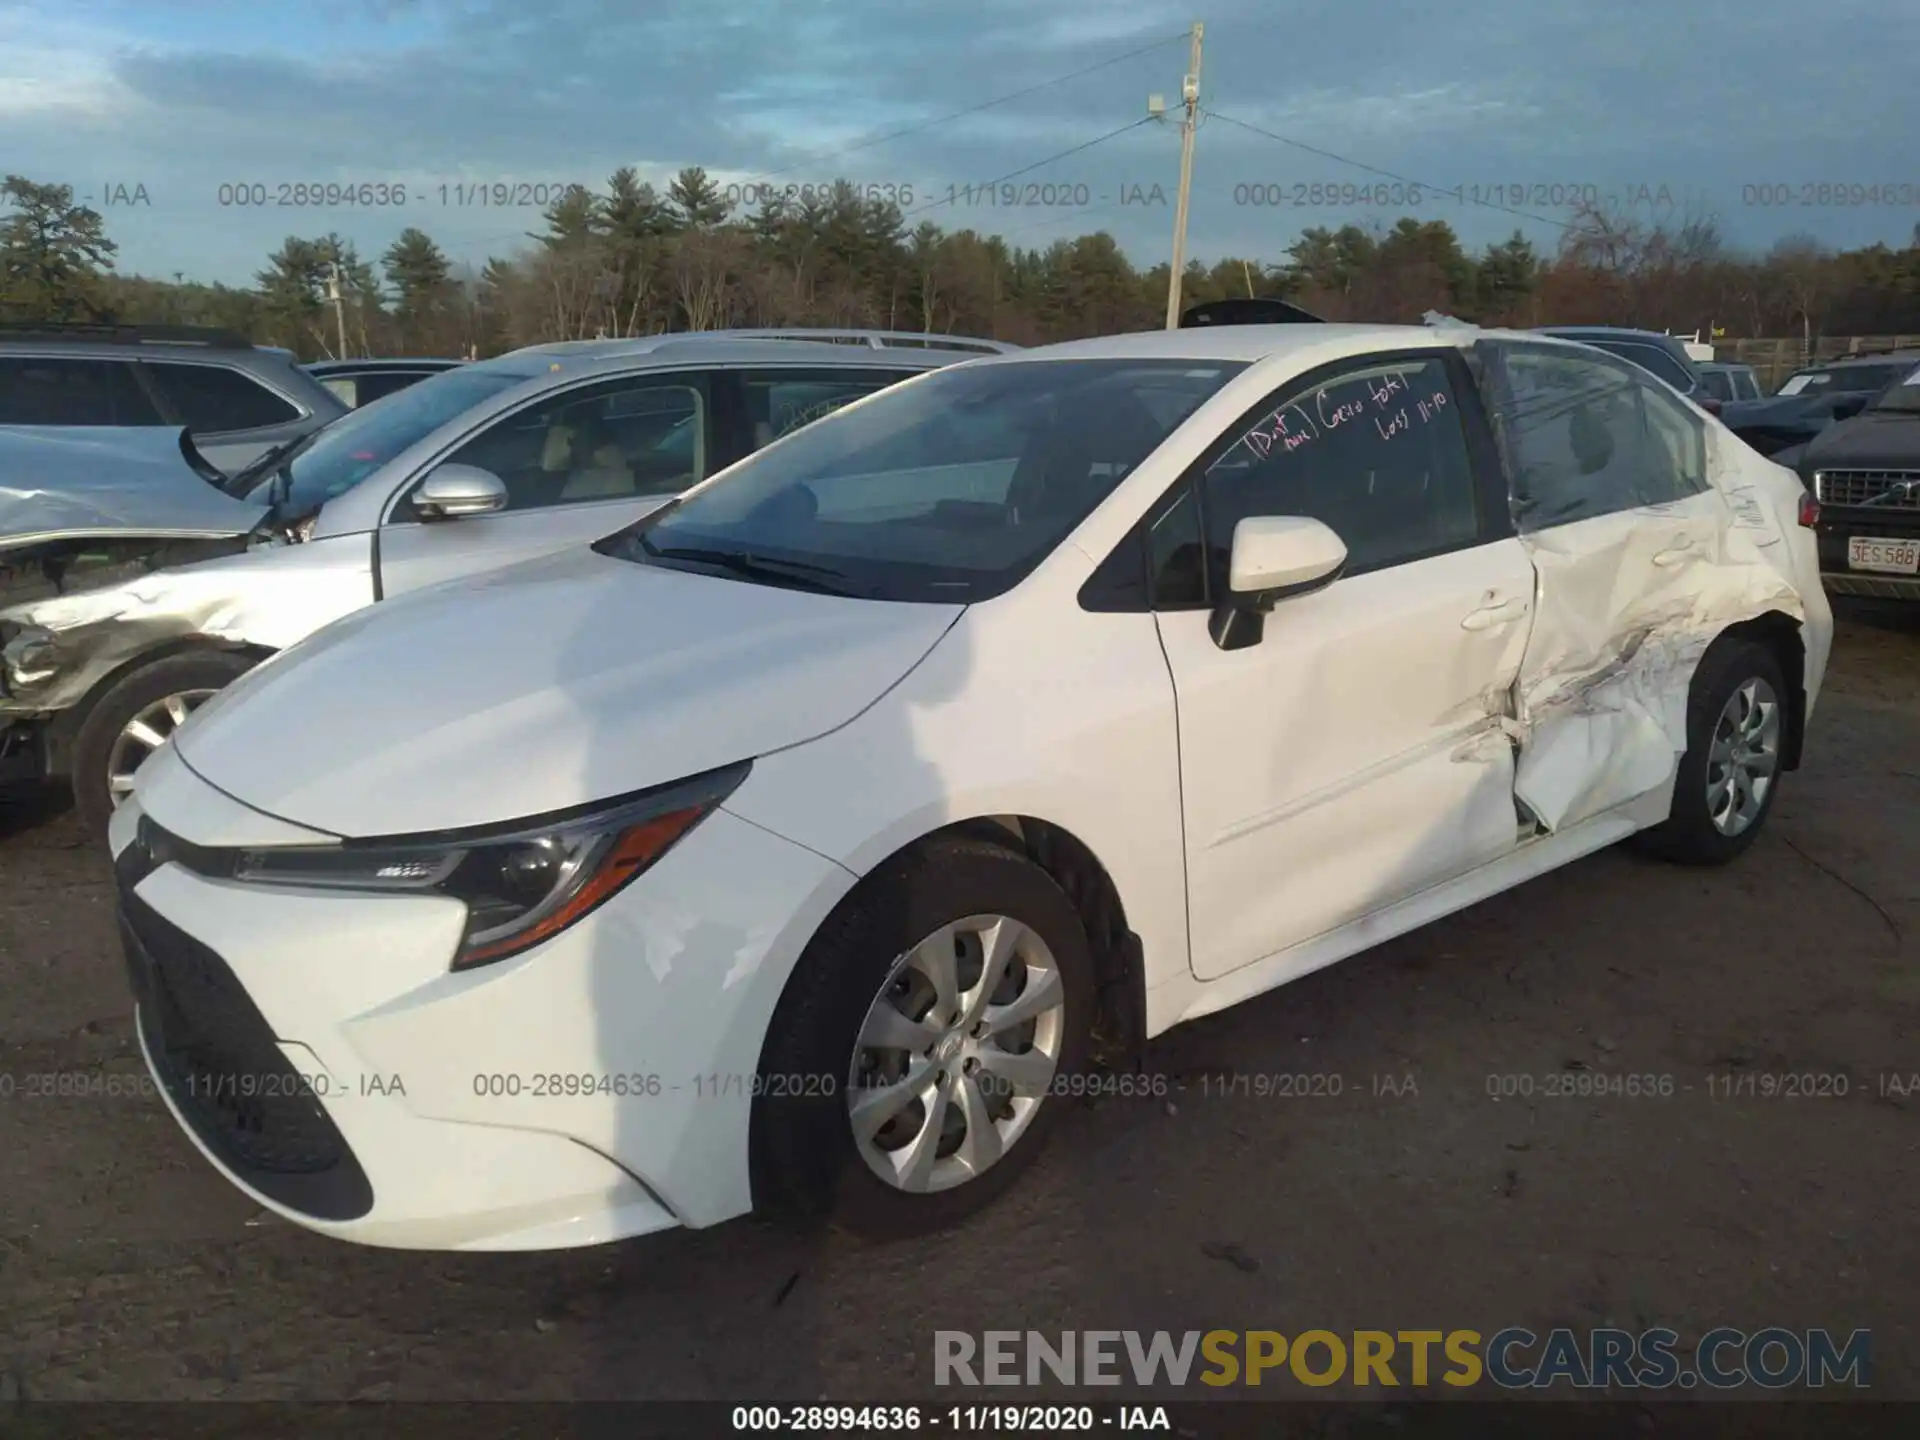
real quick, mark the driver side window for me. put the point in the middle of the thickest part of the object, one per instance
(1377, 452)
(622, 440)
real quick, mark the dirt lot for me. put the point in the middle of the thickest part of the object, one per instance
(128, 1269)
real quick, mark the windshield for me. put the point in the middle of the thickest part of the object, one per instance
(1902, 394)
(360, 442)
(950, 487)
(1851, 378)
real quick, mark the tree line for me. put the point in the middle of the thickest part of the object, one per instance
(628, 259)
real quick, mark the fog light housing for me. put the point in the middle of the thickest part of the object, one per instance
(27, 659)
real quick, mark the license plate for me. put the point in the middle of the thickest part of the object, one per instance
(1889, 557)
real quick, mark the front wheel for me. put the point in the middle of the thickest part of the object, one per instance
(914, 1065)
(135, 718)
(1727, 780)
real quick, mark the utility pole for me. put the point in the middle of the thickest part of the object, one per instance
(1190, 93)
(339, 299)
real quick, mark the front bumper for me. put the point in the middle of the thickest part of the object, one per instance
(1838, 525)
(1869, 586)
(23, 752)
(318, 1051)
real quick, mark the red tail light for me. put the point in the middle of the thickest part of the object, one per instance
(1809, 511)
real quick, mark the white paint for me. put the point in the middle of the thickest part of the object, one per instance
(1262, 812)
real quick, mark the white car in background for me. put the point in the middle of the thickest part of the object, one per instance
(111, 634)
(786, 849)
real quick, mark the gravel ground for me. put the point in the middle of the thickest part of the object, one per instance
(130, 1270)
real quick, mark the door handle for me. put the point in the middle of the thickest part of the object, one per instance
(1677, 553)
(1488, 616)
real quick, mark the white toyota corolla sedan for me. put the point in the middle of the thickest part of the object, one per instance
(789, 849)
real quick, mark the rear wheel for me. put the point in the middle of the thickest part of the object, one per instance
(1727, 781)
(911, 1072)
(137, 717)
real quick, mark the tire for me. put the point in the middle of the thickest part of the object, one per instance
(807, 1163)
(1691, 835)
(190, 677)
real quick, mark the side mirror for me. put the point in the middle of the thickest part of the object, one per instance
(456, 490)
(1274, 558)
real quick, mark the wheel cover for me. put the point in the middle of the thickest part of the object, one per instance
(146, 732)
(957, 1052)
(1744, 757)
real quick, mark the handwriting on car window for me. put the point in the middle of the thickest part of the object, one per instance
(792, 417)
(1385, 403)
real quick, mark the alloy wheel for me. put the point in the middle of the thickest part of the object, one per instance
(1744, 758)
(149, 730)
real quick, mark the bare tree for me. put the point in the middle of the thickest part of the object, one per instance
(1802, 270)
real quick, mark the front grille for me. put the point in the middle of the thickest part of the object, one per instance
(1882, 489)
(218, 1059)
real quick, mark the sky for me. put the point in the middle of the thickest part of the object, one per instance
(201, 128)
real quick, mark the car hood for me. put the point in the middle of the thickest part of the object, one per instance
(569, 679)
(85, 483)
(1878, 440)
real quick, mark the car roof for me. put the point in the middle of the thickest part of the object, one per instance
(1253, 343)
(1246, 343)
(1842, 362)
(1619, 332)
(1721, 365)
(379, 362)
(582, 357)
(241, 355)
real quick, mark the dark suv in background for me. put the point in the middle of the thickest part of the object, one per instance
(237, 399)
(1865, 472)
(1810, 400)
(1658, 354)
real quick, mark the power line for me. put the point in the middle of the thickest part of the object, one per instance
(1036, 165)
(872, 141)
(1457, 192)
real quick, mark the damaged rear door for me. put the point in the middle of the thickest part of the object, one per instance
(1612, 500)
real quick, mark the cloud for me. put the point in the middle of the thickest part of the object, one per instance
(186, 96)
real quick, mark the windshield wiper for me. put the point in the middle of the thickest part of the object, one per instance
(241, 480)
(247, 476)
(798, 574)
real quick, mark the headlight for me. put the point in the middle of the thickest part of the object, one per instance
(521, 885)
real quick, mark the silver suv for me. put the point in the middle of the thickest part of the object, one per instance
(476, 468)
(237, 399)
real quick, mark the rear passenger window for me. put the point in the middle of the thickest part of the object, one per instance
(1586, 436)
(212, 399)
(1677, 444)
(382, 383)
(781, 401)
(1378, 453)
(346, 388)
(58, 391)
(1654, 361)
